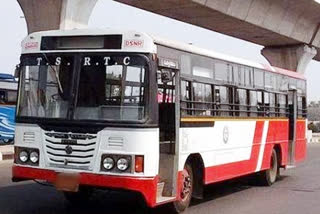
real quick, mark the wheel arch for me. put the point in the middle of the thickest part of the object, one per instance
(278, 149)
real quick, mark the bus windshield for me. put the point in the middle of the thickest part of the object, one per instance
(104, 87)
(111, 88)
(45, 86)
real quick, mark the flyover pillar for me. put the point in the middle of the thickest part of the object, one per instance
(56, 14)
(294, 58)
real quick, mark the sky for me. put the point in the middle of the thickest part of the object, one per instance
(111, 14)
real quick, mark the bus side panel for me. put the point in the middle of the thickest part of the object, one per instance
(236, 169)
(7, 122)
(300, 150)
(223, 160)
(277, 135)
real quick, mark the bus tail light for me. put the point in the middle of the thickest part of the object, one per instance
(139, 163)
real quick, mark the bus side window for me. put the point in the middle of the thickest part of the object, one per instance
(217, 101)
(231, 106)
(242, 93)
(272, 105)
(224, 101)
(186, 104)
(260, 106)
(300, 107)
(236, 104)
(253, 104)
(266, 104)
(202, 98)
(282, 105)
(304, 107)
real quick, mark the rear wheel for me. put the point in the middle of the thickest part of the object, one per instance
(270, 176)
(186, 189)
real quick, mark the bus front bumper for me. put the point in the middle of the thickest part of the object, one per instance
(147, 186)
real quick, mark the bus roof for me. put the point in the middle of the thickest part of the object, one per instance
(31, 44)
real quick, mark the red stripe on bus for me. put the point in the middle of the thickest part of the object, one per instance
(236, 169)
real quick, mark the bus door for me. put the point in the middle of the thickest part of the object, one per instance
(293, 105)
(168, 117)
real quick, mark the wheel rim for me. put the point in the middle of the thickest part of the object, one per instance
(273, 169)
(186, 185)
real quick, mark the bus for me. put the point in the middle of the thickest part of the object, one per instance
(8, 97)
(126, 110)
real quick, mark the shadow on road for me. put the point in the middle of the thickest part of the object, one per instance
(34, 199)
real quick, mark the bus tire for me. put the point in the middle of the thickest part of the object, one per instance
(186, 189)
(270, 176)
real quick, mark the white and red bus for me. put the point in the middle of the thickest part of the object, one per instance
(125, 110)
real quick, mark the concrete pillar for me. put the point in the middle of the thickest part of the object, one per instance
(56, 14)
(294, 58)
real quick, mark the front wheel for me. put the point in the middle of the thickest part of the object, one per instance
(269, 176)
(186, 189)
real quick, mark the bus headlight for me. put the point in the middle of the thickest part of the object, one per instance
(23, 156)
(108, 163)
(122, 164)
(34, 157)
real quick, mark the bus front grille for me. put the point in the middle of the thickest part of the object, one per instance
(70, 150)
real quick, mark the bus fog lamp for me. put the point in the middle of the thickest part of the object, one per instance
(122, 164)
(108, 163)
(23, 156)
(34, 157)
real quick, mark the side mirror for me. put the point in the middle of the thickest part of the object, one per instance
(17, 71)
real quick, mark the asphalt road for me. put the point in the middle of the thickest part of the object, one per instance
(297, 192)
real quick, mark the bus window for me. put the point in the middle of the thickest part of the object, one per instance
(221, 71)
(242, 77)
(236, 75)
(258, 79)
(221, 100)
(232, 107)
(282, 105)
(248, 76)
(185, 64)
(268, 80)
(304, 107)
(185, 98)
(202, 98)
(266, 104)
(272, 105)
(284, 83)
(202, 66)
(301, 106)
(253, 104)
(242, 96)
(260, 103)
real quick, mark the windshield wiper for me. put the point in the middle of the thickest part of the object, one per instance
(55, 72)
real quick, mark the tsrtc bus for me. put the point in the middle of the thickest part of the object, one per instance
(8, 97)
(125, 110)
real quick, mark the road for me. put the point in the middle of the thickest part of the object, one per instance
(297, 192)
